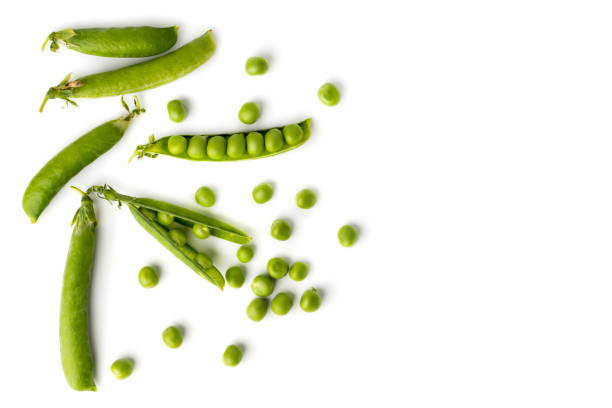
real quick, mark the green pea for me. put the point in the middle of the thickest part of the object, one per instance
(205, 196)
(280, 230)
(249, 113)
(298, 271)
(189, 251)
(347, 235)
(262, 285)
(122, 368)
(150, 214)
(201, 231)
(263, 193)
(329, 94)
(256, 66)
(197, 147)
(148, 277)
(234, 276)
(165, 218)
(232, 355)
(282, 303)
(236, 146)
(245, 253)
(293, 134)
(177, 145)
(277, 268)
(254, 144)
(176, 110)
(216, 147)
(178, 236)
(204, 260)
(306, 199)
(257, 309)
(310, 301)
(274, 140)
(173, 337)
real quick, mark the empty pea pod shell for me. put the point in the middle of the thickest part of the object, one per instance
(122, 42)
(160, 146)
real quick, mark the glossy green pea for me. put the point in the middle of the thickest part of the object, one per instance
(277, 268)
(173, 337)
(262, 285)
(293, 134)
(329, 94)
(234, 276)
(256, 66)
(280, 230)
(201, 231)
(164, 219)
(197, 147)
(148, 277)
(282, 303)
(298, 271)
(177, 145)
(176, 110)
(189, 251)
(262, 193)
(204, 260)
(216, 147)
(255, 144)
(347, 235)
(150, 214)
(249, 113)
(274, 140)
(178, 236)
(205, 196)
(236, 146)
(257, 309)
(310, 301)
(245, 253)
(232, 355)
(306, 199)
(122, 368)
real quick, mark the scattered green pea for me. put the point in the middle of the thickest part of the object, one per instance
(293, 134)
(150, 214)
(176, 110)
(249, 113)
(282, 303)
(204, 260)
(257, 309)
(148, 277)
(263, 193)
(177, 144)
(197, 147)
(298, 271)
(201, 231)
(205, 196)
(178, 236)
(274, 140)
(232, 355)
(262, 285)
(165, 218)
(122, 368)
(236, 146)
(280, 230)
(173, 337)
(255, 144)
(256, 66)
(347, 235)
(234, 276)
(310, 301)
(215, 149)
(306, 199)
(277, 268)
(329, 94)
(245, 253)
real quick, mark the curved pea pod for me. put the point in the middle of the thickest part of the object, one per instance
(160, 146)
(122, 42)
(72, 159)
(137, 77)
(75, 350)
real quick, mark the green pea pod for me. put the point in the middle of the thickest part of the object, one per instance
(76, 357)
(72, 159)
(122, 42)
(138, 77)
(261, 150)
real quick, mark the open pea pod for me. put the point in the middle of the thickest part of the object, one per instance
(229, 146)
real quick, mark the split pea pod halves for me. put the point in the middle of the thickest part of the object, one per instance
(75, 351)
(122, 42)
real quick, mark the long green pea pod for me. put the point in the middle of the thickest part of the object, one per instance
(121, 42)
(77, 361)
(72, 159)
(138, 77)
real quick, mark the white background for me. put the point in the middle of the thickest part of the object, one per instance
(471, 147)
